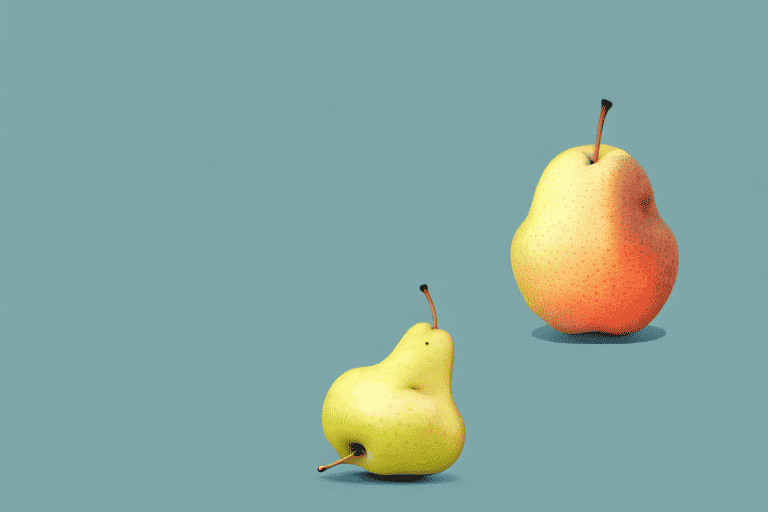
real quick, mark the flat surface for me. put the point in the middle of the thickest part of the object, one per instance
(210, 210)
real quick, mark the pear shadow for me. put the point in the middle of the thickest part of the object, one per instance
(367, 478)
(648, 333)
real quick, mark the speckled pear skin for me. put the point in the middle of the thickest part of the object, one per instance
(593, 254)
(401, 410)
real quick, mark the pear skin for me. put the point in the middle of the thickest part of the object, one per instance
(593, 254)
(401, 410)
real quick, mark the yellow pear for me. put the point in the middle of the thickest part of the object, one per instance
(398, 417)
(593, 254)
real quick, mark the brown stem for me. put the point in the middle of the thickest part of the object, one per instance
(323, 468)
(605, 105)
(431, 304)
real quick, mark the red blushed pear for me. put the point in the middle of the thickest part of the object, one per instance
(398, 417)
(593, 254)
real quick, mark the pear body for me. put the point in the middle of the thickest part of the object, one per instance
(593, 254)
(401, 410)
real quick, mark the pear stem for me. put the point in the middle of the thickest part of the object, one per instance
(431, 305)
(605, 105)
(323, 468)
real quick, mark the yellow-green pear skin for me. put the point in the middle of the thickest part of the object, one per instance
(593, 254)
(401, 410)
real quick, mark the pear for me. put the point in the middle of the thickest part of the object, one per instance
(398, 417)
(593, 254)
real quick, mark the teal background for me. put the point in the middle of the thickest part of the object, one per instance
(210, 210)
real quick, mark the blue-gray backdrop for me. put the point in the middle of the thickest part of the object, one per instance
(210, 210)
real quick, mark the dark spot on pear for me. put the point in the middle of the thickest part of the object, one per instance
(427, 343)
(357, 448)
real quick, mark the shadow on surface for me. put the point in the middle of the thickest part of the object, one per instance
(366, 478)
(648, 333)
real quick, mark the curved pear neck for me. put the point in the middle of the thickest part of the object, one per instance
(423, 360)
